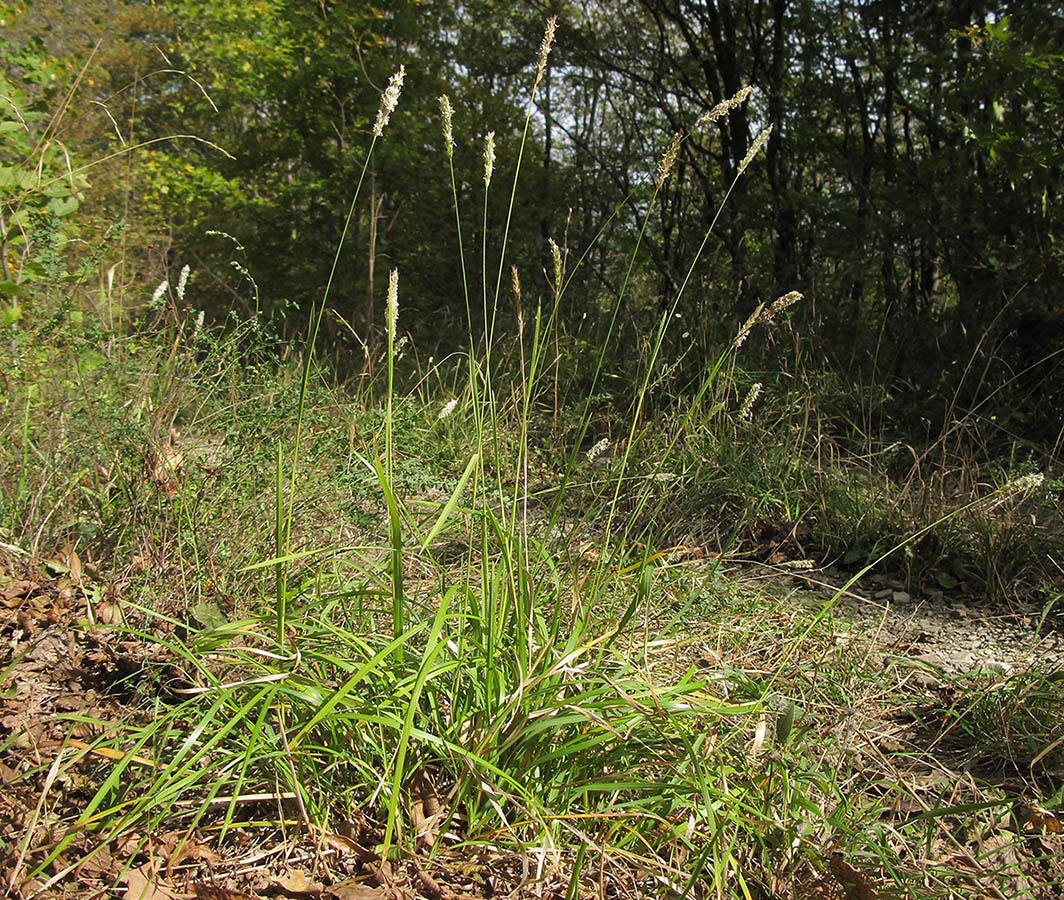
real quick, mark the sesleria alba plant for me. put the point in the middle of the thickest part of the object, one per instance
(520, 688)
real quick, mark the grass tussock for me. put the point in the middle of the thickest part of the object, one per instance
(468, 623)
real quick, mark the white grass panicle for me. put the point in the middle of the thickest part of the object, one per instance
(724, 107)
(389, 99)
(393, 303)
(597, 450)
(544, 51)
(746, 411)
(489, 157)
(447, 114)
(764, 314)
(669, 159)
(182, 282)
(755, 148)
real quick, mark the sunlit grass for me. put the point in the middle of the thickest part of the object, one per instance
(378, 612)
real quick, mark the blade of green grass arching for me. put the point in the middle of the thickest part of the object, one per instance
(428, 658)
(451, 504)
(238, 785)
(367, 668)
(91, 816)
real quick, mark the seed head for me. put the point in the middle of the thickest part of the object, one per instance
(779, 305)
(597, 449)
(669, 159)
(157, 294)
(489, 157)
(1023, 484)
(556, 255)
(755, 148)
(181, 282)
(750, 322)
(724, 107)
(393, 302)
(389, 99)
(544, 49)
(746, 410)
(448, 132)
(448, 408)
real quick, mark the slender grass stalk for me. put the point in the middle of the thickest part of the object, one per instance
(663, 324)
(395, 525)
(388, 103)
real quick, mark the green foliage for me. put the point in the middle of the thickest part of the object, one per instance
(1007, 721)
(41, 181)
(498, 601)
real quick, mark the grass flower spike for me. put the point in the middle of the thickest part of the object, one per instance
(746, 410)
(393, 302)
(597, 450)
(448, 128)
(755, 148)
(724, 107)
(489, 157)
(181, 282)
(389, 99)
(556, 258)
(782, 303)
(544, 50)
(669, 159)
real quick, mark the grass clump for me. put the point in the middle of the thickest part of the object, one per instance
(405, 627)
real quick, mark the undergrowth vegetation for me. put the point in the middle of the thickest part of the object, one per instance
(480, 607)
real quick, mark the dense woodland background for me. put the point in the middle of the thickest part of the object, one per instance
(910, 188)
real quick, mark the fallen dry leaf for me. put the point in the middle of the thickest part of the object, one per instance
(856, 885)
(141, 885)
(425, 809)
(191, 849)
(1037, 819)
(343, 844)
(72, 561)
(350, 890)
(429, 885)
(16, 590)
(294, 883)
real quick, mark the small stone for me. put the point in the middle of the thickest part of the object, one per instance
(884, 594)
(927, 680)
(900, 597)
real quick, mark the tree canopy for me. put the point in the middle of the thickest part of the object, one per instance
(910, 184)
